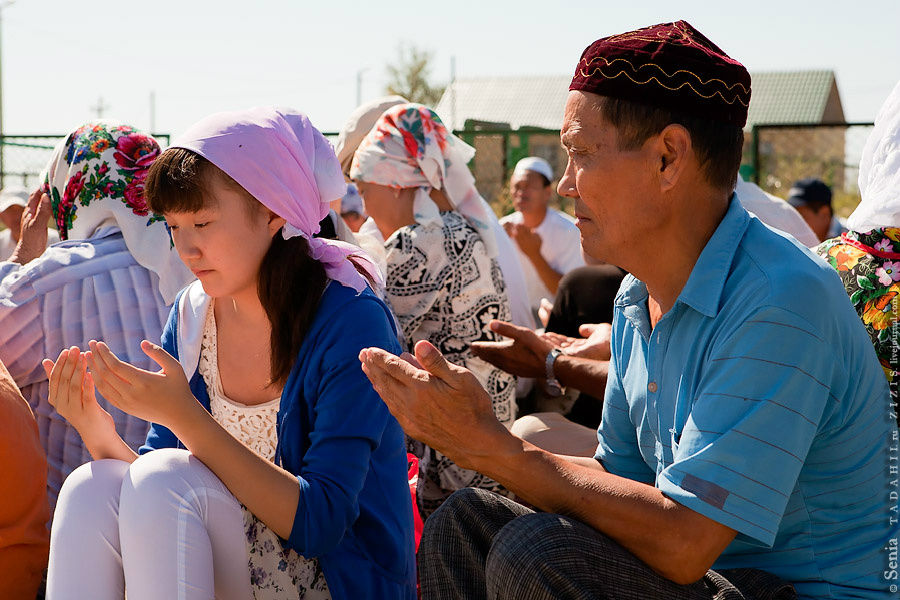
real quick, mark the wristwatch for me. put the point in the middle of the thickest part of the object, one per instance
(553, 387)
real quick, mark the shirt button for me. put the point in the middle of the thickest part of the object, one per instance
(651, 387)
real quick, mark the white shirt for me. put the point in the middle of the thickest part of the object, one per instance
(775, 212)
(8, 244)
(560, 247)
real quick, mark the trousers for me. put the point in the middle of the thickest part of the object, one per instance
(480, 545)
(163, 526)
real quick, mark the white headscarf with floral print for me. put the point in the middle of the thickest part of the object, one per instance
(95, 179)
(409, 147)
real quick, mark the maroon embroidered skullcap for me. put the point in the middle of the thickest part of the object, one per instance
(671, 65)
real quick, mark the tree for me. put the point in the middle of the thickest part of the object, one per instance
(409, 76)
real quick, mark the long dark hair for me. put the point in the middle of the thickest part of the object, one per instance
(290, 282)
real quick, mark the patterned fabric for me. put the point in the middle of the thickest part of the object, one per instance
(541, 555)
(284, 162)
(409, 147)
(869, 266)
(275, 572)
(444, 289)
(670, 65)
(74, 292)
(96, 178)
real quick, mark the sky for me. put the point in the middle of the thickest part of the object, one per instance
(196, 57)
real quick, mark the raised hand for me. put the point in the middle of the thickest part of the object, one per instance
(440, 404)
(523, 354)
(33, 232)
(162, 397)
(72, 395)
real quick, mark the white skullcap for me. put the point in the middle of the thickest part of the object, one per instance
(536, 164)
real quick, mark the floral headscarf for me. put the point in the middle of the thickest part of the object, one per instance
(95, 178)
(409, 147)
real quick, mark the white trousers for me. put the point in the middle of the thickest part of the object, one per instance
(162, 527)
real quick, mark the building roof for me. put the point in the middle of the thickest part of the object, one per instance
(533, 101)
(538, 101)
(792, 97)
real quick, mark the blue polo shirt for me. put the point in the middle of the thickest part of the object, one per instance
(758, 402)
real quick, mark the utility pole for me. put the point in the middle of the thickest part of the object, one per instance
(100, 107)
(359, 75)
(152, 113)
(2, 140)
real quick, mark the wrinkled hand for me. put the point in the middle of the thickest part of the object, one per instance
(528, 241)
(523, 355)
(33, 229)
(437, 403)
(163, 397)
(72, 393)
(595, 344)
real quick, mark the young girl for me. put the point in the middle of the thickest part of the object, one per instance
(294, 478)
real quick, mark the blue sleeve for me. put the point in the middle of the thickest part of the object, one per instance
(159, 436)
(618, 448)
(350, 423)
(757, 410)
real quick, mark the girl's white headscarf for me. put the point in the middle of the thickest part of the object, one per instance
(879, 171)
(409, 147)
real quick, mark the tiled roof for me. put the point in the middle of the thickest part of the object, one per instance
(519, 101)
(778, 97)
(789, 96)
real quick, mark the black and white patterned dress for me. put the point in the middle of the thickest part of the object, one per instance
(444, 288)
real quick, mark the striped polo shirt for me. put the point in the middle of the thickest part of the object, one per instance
(758, 402)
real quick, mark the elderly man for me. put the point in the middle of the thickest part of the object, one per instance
(547, 239)
(13, 200)
(746, 429)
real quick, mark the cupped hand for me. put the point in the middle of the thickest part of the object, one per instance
(162, 397)
(595, 344)
(72, 393)
(523, 354)
(436, 402)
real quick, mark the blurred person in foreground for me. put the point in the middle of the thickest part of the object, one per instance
(24, 539)
(867, 256)
(13, 201)
(112, 277)
(743, 446)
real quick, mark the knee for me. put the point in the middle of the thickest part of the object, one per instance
(91, 491)
(526, 549)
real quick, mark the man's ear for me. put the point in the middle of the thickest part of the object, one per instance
(674, 151)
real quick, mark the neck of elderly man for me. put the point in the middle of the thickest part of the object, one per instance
(649, 210)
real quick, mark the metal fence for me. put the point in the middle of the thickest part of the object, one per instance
(23, 157)
(775, 156)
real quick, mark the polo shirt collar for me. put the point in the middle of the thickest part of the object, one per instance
(704, 287)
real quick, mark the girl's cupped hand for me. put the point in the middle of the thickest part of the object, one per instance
(163, 397)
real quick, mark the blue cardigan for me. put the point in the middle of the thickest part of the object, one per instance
(348, 452)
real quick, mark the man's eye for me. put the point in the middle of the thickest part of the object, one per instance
(201, 225)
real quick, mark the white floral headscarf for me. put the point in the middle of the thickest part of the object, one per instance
(409, 147)
(95, 179)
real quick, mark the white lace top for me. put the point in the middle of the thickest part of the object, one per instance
(275, 572)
